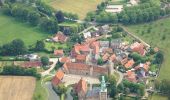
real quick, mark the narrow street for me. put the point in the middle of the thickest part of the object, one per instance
(54, 60)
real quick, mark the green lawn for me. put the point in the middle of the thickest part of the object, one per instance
(157, 34)
(158, 97)
(40, 92)
(11, 29)
(80, 7)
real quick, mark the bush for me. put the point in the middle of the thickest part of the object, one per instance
(45, 60)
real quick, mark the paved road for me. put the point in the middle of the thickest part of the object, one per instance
(54, 60)
(51, 92)
(72, 79)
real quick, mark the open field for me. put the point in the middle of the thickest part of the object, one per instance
(12, 29)
(80, 7)
(157, 34)
(16, 87)
(158, 97)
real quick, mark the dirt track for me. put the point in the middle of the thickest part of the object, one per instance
(16, 87)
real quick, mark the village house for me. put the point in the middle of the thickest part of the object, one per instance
(65, 59)
(59, 53)
(139, 48)
(129, 64)
(57, 79)
(80, 89)
(105, 57)
(116, 43)
(60, 37)
(29, 64)
(80, 49)
(81, 58)
(84, 69)
(103, 45)
(130, 76)
(142, 69)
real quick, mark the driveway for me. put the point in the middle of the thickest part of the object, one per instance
(54, 60)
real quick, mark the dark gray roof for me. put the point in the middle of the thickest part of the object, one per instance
(94, 92)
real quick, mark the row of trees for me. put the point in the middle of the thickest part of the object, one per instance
(18, 47)
(146, 11)
(17, 70)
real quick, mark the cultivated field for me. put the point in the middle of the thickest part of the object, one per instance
(16, 87)
(11, 29)
(80, 7)
(157, 34)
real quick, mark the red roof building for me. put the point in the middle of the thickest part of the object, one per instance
(129, 64)
(29, 64)
(58, 78)
(80, 49)
(106, 57)
(84, 69)
(81, 58)
(60, 37)
(59, 53)
(131, 76)
(139, 48)
(65, 59)
(81, 89)
(95, 46)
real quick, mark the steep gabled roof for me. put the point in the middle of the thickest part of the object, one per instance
(58, 77)
(81, 86)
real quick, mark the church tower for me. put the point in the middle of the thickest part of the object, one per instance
(103, 90)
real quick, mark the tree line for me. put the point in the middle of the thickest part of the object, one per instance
(146, 11)
(20, 71)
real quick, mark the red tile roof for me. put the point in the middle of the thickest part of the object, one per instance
(60, 37)
(58, 52)
(29, 64)
(65, 59)
(108, 50)
(131, 76)
(138, 47)
(113, 58)
(58, 77)
(81, 87)
(85, 67)
(81, 58)
(106, 57)
(95, 46)
(129, 64)
(81, 47)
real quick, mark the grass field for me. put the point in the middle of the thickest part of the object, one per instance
(80, 7)
(40, 92)
(158, 97)
(157, 34)
(11, 29)
(16, 87)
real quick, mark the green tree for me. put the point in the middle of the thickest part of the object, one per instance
(40, 46)
(33, 18)
(45, 60)
(60, 16)
(49, 25)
